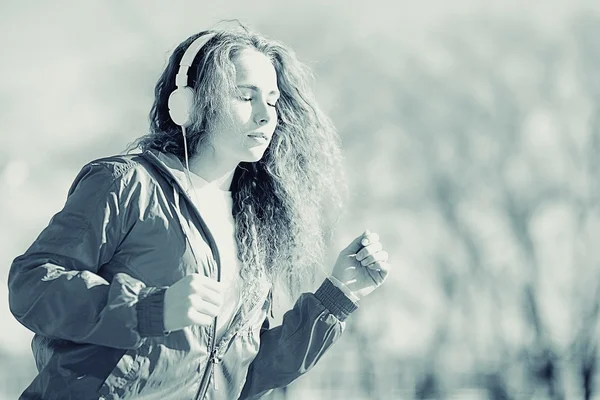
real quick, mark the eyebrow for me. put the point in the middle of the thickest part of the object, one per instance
(255, 88)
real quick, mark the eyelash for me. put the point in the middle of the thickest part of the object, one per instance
(250, 99)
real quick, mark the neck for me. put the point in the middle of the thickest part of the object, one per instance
(213, 169)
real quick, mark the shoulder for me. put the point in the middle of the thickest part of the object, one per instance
(115, 172)
(116, 166)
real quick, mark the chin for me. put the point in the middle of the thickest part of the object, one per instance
(254, 159)
(254, 154)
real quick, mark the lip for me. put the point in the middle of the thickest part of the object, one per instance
(258, 136)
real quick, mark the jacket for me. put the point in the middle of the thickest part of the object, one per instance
(91, 287)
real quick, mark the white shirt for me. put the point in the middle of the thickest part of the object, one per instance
(215, 206)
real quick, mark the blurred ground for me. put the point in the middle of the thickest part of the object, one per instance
(471, 131)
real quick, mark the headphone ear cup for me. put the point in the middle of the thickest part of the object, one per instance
(181, 102)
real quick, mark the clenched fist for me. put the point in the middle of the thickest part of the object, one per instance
(363, 265)
(193, 300)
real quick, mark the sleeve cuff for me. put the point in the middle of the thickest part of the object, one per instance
(340, 285)
(335, 300)
(150, 313)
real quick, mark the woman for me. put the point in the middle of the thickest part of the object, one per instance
(155, 280)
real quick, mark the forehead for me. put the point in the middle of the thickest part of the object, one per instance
(254, 68)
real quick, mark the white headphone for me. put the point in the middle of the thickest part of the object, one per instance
(181, 100)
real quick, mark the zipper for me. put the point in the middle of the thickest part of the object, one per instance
(213, 359)
(209, 370)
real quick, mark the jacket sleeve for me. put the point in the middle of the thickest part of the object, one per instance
(287, 351)
(55, 288)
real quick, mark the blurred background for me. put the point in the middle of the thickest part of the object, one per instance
(471, 131)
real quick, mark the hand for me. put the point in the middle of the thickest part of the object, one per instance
(193, 300)
(362, 266)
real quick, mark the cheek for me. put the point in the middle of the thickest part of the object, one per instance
(241, 114)
(274, 118)
(233, 119)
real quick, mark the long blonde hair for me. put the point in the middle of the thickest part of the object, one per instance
(285, 204)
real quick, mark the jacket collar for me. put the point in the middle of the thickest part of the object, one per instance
(170, 167)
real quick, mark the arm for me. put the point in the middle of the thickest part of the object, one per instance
(55, 289)
(317, 321)
(294, 347)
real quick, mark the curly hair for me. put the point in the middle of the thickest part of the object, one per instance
(286, 204)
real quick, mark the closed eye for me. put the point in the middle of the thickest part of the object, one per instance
(243, 98)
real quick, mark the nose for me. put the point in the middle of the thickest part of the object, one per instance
(261, 114)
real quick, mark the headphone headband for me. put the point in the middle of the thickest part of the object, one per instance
(181, 100)
(181, 79)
